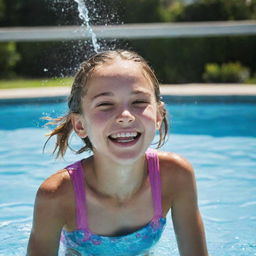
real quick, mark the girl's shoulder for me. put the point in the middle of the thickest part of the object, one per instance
(56, 187)
(56, 182)
(53, 201)
(176, 174)
(174, 164)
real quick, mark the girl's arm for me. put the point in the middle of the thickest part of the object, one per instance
(186, 217)
(47, 222)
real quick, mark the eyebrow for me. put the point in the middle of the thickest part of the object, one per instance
(102, 94)
(112, 94)
(140, 92)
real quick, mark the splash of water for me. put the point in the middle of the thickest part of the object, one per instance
(84, 16)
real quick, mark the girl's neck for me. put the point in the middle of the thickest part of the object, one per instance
(115, 180)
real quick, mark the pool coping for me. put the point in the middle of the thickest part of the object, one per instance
(177, 93)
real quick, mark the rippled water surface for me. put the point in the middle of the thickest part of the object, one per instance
(218, 139)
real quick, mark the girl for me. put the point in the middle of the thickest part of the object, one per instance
(115, 202)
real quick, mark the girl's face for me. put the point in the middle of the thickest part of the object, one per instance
(120, 113)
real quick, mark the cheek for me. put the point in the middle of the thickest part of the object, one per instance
(95, 124)
(150, 114)
(99, 117)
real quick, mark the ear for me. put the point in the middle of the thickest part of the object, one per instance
(78, 125)
(160, 114)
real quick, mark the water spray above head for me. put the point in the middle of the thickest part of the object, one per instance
(84, 16)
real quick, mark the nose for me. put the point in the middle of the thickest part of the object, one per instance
(125, 117)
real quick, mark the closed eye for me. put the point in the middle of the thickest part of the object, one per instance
(104, 104)
(140, 102)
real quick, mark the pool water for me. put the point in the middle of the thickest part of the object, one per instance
(218, 139)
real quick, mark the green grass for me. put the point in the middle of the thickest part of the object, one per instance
(35, 83)
(251, 80)
(52, 82)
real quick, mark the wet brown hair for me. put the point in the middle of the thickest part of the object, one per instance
(64, 125)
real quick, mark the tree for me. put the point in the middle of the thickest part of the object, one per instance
(214, 10)
(9, 58)
(2, 9)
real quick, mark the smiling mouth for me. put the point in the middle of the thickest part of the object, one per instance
(124, 137)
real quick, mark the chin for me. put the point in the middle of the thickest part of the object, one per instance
(127, 156)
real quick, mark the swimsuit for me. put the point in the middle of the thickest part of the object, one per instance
(82, 242)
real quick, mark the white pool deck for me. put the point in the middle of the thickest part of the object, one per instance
(175, 90)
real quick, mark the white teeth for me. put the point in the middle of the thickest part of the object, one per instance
(124, 135)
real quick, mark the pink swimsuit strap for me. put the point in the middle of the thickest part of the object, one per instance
(155, 181)
(76, 173)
